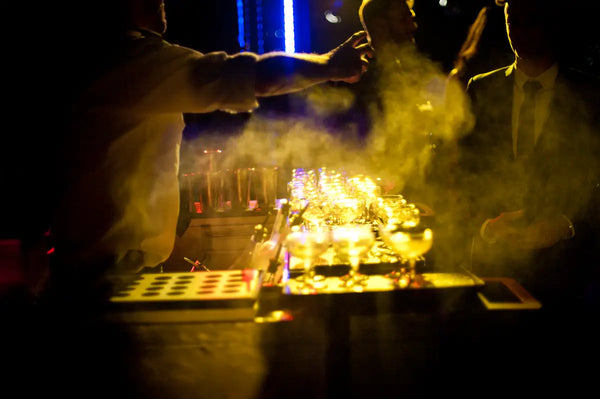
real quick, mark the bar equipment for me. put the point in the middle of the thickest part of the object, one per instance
(212, 189)
(268, 179)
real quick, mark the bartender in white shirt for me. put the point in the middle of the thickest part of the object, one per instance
(119, 204)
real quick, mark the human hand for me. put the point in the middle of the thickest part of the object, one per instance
(350, 60)
(503, 228)
(545, 233)
(512, 229)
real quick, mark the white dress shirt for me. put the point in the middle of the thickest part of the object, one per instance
(123, 192)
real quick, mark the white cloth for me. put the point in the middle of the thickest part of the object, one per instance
(123, 192)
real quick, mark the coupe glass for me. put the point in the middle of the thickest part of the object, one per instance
(313, 214)
(390, 208)
(409, 242)
(308, 245)
(352, 243)
(346, 210)
(367, 190)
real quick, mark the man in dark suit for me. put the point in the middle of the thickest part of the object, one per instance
(529, 172)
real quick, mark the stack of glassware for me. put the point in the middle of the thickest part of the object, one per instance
(347, 215)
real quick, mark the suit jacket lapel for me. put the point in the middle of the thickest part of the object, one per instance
(507, 92)
(498, 113)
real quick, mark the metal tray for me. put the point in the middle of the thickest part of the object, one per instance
(436, 292)
(380, 283)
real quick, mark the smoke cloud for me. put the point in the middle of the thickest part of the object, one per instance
(401, 124)
(406, 123)
(398, 125)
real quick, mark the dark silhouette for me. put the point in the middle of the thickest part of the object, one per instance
(485, 46)
(470, 48)
(533, 214)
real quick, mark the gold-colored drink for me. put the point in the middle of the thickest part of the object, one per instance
(352, 243)
(409, 243)
(308, 245)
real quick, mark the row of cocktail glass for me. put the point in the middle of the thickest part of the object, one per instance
(349, 214)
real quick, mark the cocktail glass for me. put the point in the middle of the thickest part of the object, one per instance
(352, 243)
(308, 245)
(410, 243)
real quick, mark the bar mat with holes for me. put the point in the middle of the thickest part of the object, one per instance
(215, 295)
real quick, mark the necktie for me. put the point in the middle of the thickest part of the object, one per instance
(525, 132)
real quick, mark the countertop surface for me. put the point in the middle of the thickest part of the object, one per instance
(309, 346)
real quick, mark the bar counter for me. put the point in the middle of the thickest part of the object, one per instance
(314, 346)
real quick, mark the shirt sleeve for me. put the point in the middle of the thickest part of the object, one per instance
(218, 81)
(160, 77)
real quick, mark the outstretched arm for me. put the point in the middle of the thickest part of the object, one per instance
(280, 73)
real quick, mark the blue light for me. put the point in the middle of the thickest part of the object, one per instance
(288, 23)
(260, 37)
(241, 27)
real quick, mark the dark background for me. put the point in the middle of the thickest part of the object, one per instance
(210, 26)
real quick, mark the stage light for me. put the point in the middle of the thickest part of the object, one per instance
(260, 36)
(290, 34)
(332, 18)
(241, 27)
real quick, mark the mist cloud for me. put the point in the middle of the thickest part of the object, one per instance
(412, 118)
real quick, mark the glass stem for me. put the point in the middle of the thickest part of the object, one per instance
(412, 262)
(354, 266)
(307, 269)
